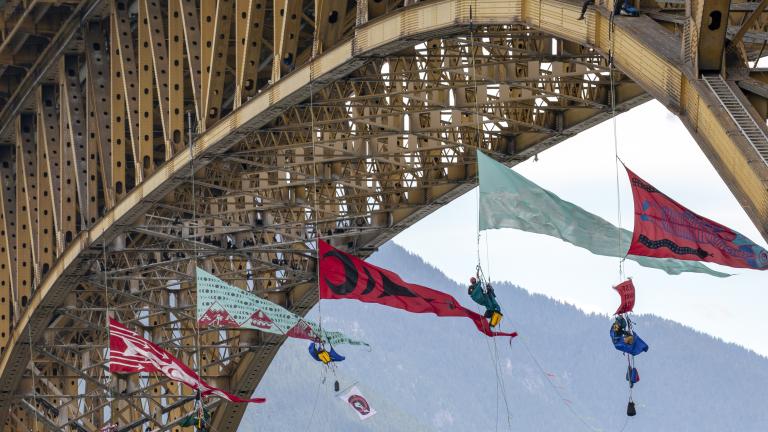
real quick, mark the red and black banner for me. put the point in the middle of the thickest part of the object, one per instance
(666, 229)
(344, 276)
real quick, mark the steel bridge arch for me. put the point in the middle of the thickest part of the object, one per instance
(642, 50)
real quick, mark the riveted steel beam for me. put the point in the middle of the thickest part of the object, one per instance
(375, 132)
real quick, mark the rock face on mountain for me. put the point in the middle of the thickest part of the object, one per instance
(427, 373)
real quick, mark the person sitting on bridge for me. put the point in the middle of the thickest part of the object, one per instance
(624, 7)
(486, 298)
(620, 7)
(584, 8)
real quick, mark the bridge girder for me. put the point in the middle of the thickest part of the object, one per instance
(351, 123)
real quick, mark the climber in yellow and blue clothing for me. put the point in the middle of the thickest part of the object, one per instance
(485, 297)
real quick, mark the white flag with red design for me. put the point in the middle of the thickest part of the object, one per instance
(358, 402)
(130, 353)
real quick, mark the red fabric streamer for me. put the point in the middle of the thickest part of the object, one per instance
(344, 276)
(666, 229)
(130, 353)
(626, 290)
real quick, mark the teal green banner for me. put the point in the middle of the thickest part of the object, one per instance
(509, 200)
(222, 305)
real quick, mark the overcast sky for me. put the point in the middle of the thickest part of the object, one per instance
(657, 147)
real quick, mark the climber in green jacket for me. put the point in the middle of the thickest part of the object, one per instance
(486, 298)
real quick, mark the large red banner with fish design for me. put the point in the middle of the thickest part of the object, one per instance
(344, 276)
(666, 229)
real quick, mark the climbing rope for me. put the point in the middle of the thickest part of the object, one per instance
(314, 405)
(500, 388)
(495, 364)
(477, 129)
(194, 244)
(502, 384)
(495, 370)
(624, 426)
(617, 161)
(316, 209)
(107, 374)
(32, 372)
(554, 387)
(318, 235)
(487, 259)
(611, 71)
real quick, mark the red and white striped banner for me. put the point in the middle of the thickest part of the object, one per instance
(130, 353)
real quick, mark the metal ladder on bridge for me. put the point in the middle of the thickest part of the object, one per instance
(738, 112)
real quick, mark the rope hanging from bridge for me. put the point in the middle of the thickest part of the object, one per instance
(32, 373)
(316, 202)
(326, 356)
(107, 374)
(621, 330)
(566, 402)
(479, 271)
(611, 71)
(199, 407)
(493, 354)
(317, 350)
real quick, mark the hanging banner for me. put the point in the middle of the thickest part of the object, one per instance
(626, 290)
(666, 229)
(131, 353)
(220, 304)
(344, 276)
(509, 200)
(358, 402)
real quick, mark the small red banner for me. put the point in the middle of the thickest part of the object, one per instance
(626, 290)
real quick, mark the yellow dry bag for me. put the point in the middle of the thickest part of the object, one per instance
(324, 356)
(495, 318)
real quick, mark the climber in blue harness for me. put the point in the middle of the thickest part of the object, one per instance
(624, 339)
(627, 341)
(318, 352)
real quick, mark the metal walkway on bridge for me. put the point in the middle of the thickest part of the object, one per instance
(745, 121)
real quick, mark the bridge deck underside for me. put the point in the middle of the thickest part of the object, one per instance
(355, 146)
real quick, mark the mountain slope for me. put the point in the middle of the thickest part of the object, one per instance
(429, 373)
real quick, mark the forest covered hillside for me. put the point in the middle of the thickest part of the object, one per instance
(425, 373)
